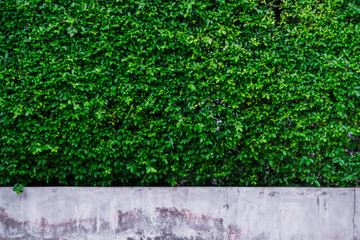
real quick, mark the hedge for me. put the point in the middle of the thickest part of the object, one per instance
(208, 92)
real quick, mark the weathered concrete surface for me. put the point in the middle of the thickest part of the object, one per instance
(357, 214)
(180, 213)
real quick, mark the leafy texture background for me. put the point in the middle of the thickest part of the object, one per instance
(194, 92)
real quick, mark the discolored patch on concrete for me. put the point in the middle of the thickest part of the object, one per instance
(168, 224)
(43, 229)
(174, 224)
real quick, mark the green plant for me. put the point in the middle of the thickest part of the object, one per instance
(127, 92)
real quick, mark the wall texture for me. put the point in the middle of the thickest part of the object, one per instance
(180, 213)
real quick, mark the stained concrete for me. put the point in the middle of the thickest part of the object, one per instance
(180, 213)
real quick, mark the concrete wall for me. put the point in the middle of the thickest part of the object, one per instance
(180, 213)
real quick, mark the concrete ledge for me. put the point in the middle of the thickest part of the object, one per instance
(197, 213)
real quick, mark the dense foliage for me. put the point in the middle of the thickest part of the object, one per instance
(134, 92)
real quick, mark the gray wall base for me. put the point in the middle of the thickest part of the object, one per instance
(180, 213)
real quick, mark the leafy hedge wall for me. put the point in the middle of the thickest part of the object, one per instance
(134, 92)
